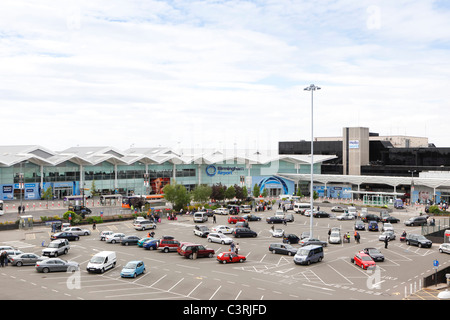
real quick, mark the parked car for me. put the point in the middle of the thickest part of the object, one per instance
(102, 261)
(78, 231)
(56, 248)
(418, 240)
(321, 214)
(246, 208)
(374, 253)
(370, 217)
(313, 241)
(141, 225)
(200, 216)
(289, 217)
(251, 217)
(390, 219)
(201, 231)
(219, 238)
(105, 233)
(387, 227)
(55, 265)
(166, 245)
(187, 250)
(244, 233)
(26, 259)
(132, 269)
(234, 219)
(277, 233)
(12, 253)
(132, 239)
(275, 219)
(221, 211)
(291, 238)
(65, 235)
(230, 257)
(335, 237)
(359, 225)
(387, 234)
(372, 226)
(222, 229)
(444, 248)
(309, 254)
(143, 240)
(416, 221)
(338, 209)
(115, 237)
(282, 249)
(363, 260)
(151, 244)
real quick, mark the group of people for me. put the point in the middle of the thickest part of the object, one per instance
(4, 259)
(21, 208)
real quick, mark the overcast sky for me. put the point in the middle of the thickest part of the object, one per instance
(221, 73)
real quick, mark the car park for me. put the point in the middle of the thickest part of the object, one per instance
(374, 253)
(418, 240)
(444, 248)
(313, 241)
(142, 225)
(363, 260)
(244, 233)
(56, 248)
(132, 269)
(277, 233)
(201, 231)
(65, 235)
(372, 226)
(309, 254)
(188, 250)
(230, 257)
(77, 230)
(251, 217)
(235, 219)
(102, 261)
(167, 245)
(390, 235)
(416, 221)
(219, 238)
(359, 225)
(151, 244)
(26, 259)
(130, 240)
(222, 229)
(275, 219)
(56, 265)
(115, 237)
(282, 248)
(291, 238)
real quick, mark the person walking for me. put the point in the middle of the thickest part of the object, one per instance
(2, 258)
(214, 218)
(194, 252)
(236, 250)
(386, 241)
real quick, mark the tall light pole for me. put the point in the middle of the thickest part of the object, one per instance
(312, 88)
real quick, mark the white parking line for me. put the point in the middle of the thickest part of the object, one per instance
(210, 298)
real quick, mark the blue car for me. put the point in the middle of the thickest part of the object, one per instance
(373, 226)
(142, 241)
(132, 269)
(151, 244)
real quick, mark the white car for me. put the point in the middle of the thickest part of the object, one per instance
(335, 237)
(222, 211)
(387, 227)
(389, 234)
(444, 248)
(105, 233)
(277, 233)
(78, 231)
(222, 229)
(346, 216)
(219, 238)
(308, 212)
(115, 237)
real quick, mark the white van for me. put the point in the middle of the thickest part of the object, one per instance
(102, 261)
(300, 207)
(200, 217)
(308, 254)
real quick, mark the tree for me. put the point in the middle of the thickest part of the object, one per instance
(48, 194)
(264, 193)
(218, 192)
(256, 191)
(244, 193)
(177, 195)
(94, 189)
(239, 192)
(230, 193)
(201, 193)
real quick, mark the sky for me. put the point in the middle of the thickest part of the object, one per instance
(221, 74)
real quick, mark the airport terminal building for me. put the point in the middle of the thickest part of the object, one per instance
(27, 171)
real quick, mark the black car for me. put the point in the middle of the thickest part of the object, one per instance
(359, 225)
(275, 219)
(130, 240)
(282, 249)
(81, 210)
(390, 219)
(418, 240)
(321, 214)
(244, 233)
(65, 235)
(374, 253)
(291, 238)
(370, 217)
(251, 217)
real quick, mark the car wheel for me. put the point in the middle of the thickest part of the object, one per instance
(65, 251)
(320, 259)
(103, 270)
(151, 248)
(407, 242)
(56, 254)
(86, 233)
(126, 243)
(241, 260)
(210, 255)
(45, 270)
(77, 238)
(224, 261)
(420, 245)
(134, 275)
(113, 241)
(19, 263)
(166, 250)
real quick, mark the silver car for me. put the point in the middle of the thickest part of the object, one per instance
(26, 259)
(78, 231)
(56, 265)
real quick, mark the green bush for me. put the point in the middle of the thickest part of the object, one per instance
(94, 219)
(434, 209)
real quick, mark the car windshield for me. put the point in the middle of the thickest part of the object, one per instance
(97, 259)
(421, 238)
(53, 245)
(334, 234)
(130, 265)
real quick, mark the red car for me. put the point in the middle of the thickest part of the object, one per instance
(363, 260)
(235, 219)
(186, 250)
(229, 257)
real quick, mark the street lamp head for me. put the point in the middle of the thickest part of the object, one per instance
(312, 87)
